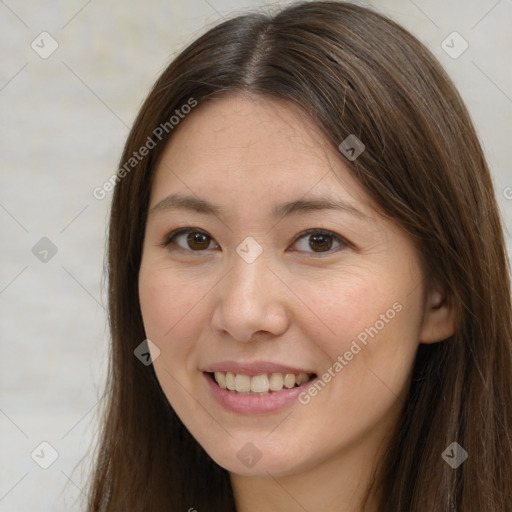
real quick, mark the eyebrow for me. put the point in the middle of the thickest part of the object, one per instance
(299, 206)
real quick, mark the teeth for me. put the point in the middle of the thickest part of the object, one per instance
(259, 384)
(289, 380)
(304, 377)
(242, 383)
(221, 379)
(230, 381)
(276, 382)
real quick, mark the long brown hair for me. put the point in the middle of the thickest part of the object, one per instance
(355, 72)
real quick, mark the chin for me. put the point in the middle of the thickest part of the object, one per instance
(245, 458)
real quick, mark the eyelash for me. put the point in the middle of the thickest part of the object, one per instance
(170, 238)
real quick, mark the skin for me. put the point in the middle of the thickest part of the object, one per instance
(294, 304)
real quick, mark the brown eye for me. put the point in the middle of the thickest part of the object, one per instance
(198, 241)
(322, 242)
(319, 241)
(189, 239)
(194, 240)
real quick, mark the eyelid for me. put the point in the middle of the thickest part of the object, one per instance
(343, 242)
(169, 238)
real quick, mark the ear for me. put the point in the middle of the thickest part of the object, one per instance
(439, 318)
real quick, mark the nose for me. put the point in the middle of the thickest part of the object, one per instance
(251, 302)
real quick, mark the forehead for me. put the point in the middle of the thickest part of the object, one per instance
(243, 124)
(253, 145)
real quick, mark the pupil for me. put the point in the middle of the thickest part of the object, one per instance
(197, 238)
(322, 241)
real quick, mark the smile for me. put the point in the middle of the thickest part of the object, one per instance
(260, 385)
(257, 394)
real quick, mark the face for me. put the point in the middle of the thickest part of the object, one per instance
(255, 278)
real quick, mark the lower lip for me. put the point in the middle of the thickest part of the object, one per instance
(254, 404)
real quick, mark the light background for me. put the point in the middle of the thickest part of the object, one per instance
(64, 120)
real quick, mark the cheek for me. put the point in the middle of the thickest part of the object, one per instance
(344, 307)
(170, 311)
(367, 327)
(168, 304)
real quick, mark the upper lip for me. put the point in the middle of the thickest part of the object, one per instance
(253, 368)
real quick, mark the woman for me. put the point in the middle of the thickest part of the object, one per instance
(308, 284)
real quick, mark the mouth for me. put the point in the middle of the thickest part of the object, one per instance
(259, 385)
